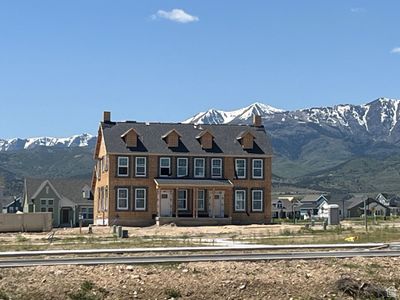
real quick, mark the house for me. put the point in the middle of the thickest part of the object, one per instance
(149, 173)
(69, 200)
(390, 200)
(359, 203)
(285, 207)
(13, 205)
(314, 206)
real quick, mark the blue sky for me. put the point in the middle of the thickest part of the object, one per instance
(63, 62)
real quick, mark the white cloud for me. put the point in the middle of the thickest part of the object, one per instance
(357, 10)
(175, 15)
(395, 50)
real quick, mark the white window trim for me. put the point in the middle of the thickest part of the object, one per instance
(220, 168)
(180, 199)
(244, 192)
(145, 166)
(127, 199)
(144, 199)
(169, 166)
(203, 200)
(186, 168)
(204, 167)
(119, 165)
(244, 167)
(261, 200)
(262, 168)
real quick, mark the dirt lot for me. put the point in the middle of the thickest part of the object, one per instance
(222, 280)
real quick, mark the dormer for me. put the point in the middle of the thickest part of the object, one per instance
(172, 138)
(130, 138)
(206, 139)
(246, 139)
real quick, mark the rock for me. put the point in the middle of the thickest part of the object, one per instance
(308, 275)
(242, 287)
(129, 268)
(185, 270)
(43, 280)
(136, 277)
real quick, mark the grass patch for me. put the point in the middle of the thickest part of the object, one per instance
(88, 291)
(172, 293)
(4, 295)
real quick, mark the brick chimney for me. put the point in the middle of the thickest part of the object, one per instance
(106, 116)
(257, 121)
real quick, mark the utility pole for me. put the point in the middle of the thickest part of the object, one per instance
(365, 216)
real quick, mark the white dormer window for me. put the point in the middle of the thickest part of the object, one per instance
(123, 166)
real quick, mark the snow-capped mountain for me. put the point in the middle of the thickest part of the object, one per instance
(15, 144)
(377, 120)
(243, 115)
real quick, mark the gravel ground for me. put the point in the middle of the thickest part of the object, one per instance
(297, 279)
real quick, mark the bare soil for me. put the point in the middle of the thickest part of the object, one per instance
(297, 279)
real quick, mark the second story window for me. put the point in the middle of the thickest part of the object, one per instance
(199, 164)
(123, 166)
(257, 168)
(165, 166)
(216, 167)
(240, 168)
(140, 166)
(182, 167)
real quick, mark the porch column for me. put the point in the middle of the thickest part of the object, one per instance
(213, 203)
(194, 203)
(176, 203)
(158, 201)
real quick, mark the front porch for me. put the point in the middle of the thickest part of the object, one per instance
(194, 202)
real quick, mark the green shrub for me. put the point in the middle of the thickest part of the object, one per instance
(172, 293)
(3, 295)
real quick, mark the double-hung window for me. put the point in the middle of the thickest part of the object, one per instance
(122, 198)
(240, 168)
(240, 200)
(140, 166)
(182, 200)
(199, 164)
(165, 166)
(201, 200)
(123, 166)
(216, 167)
(257, 168)
(140, 199)
(257, 200)
(182, 167)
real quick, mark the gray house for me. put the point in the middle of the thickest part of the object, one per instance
(68, 200)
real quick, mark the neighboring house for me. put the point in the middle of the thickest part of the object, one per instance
(160, 173)
(13, 206)
(285, 207)
(390, 200)
(314, 206)
(66, 199)
(359, 204)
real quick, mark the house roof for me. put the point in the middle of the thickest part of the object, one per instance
(151, 138)
(68, 188)
(6, 201)
(359, 199)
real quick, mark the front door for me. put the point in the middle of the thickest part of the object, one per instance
(65, 218)
(218, 208)
(166, 209)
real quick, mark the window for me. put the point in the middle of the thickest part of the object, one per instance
(279, 204)
(240, 200)
(50, 202)
(216, 167)
(43, 209)
(182, 167)
(240, 168)
(106, 198)
(257, 168)
(199, 167)
(201, 200)
(257, 200)
(165, 166)
(46, 205)
(43, 202)
(122, 198)
(87, 213)
(123, 166)
(140, 199)
(182, 200)
(140, 165)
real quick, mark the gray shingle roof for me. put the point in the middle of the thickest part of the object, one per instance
(68, 188)
(150, 138)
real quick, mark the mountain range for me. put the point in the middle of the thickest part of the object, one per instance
(340, 148)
